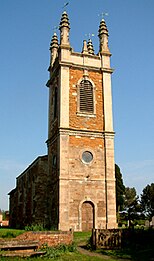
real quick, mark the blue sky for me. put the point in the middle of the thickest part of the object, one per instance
(26, 31)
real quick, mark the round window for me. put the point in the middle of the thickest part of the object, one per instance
(87, 156)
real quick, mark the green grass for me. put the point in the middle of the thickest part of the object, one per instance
(116, 253)
(64, 257)
(81, 237)
(10, 233)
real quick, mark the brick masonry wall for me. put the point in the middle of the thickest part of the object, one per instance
(90, 123)
(50, 238)
(77, 146)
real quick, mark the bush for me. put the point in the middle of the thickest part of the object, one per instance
(35, 227)
(53, 252)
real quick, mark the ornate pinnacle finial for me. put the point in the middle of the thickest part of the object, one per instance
(64, 28)
(103, 37)
(54, 41)
(54, 48)
(90, 47)
(103, 28)
(64, 21)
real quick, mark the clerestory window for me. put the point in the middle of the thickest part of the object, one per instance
(86, 101)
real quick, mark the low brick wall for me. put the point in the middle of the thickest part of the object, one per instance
(48, 237)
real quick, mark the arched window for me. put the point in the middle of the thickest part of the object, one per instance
(86, 102)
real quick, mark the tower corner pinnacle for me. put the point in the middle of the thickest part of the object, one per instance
(64, 28)
(54, 48)
(84, 48)
(103, 37)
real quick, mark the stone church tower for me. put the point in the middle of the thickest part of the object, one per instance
(81, 176)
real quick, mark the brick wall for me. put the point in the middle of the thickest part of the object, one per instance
(90, 123)
(50, 238)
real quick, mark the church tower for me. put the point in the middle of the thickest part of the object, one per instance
(81, 177)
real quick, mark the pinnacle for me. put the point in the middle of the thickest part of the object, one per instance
(102, 28)
(90, 47)
(54, 41)
(64, 21)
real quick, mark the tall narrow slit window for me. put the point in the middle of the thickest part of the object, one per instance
(86, 97)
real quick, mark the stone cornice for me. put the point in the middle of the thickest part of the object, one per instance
(107, 70)
(82, 133)
(79, 66)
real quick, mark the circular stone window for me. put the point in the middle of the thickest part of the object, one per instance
(87, 156)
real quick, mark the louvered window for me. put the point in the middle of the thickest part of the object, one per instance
(86, 97)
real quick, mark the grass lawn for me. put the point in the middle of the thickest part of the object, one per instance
(81, 237)
(74, 256)
(10, 233)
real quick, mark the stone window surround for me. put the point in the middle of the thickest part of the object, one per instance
(91, 151)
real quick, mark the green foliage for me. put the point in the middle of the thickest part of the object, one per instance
(53, 252)
(10, 233)
(120, 188)
(35, 227)
(132, 208)
(147, 200)
(130, 196)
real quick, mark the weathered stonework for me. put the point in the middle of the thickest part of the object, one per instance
(85, 191)
(79, 179)
(28, 200)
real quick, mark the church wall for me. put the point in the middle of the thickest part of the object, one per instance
(13, 208)
(28, 202)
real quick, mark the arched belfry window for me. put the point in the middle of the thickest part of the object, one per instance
(86, 97)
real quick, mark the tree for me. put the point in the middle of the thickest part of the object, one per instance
(130, 196)
(147, 200)
(131, 204)
(120, 189)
